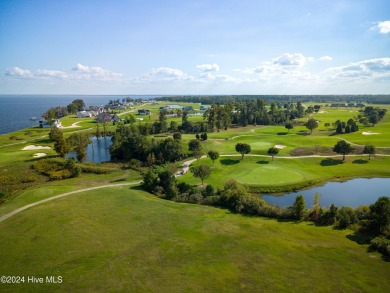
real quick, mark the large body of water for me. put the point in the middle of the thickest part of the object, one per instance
(352, 193)
(17, 110)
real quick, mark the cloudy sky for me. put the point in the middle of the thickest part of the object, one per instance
(195, 47)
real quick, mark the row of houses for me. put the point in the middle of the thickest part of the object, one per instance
(344, 105)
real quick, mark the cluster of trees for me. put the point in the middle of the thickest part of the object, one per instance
(61, 111)
(371, 115)
(251, 112)
(342, 127)
(129, 143)
(75, 142)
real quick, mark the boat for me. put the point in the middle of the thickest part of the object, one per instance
(33, 118)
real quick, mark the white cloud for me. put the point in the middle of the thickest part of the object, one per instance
(208, 67)
(79, 73)
(18, 72)
(295, 60)
(326, 58)
(286, 67)
(384, 27)
(95, 73)
(163, 74)
(372, 68)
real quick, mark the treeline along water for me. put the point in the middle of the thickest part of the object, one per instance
(17, 110)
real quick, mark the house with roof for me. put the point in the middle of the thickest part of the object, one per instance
(103, 117)
(43, 123)
(84, 114)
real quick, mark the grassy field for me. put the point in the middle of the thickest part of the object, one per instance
(124, 239)
(266, 174)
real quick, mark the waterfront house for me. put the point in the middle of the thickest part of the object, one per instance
(43, 123)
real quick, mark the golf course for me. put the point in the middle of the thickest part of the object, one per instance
(101, 232)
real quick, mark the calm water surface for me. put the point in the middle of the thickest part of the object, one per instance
(97, 151)
(353, 193)
(17, 110)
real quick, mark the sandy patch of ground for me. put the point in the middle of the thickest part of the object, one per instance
(279, 146)
(35, 147)
(38, 155)
(369, 133)
(321, 112)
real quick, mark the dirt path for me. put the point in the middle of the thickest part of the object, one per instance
(6, 216)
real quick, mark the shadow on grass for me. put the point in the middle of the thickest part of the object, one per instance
(282, 133)
(303, 132)
(330, 162)
(262, 162)
(360, 161)
(229, 162)
(136, 187)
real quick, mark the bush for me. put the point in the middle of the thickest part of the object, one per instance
(381, 244)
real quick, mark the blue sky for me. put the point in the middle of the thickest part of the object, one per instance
(194, 47)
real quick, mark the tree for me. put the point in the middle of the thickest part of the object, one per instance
(55, 134)
(347, 129)
(369, 150)
(196, 148)
(202, 172)
(243, 149)
(273, 151)
(289, 126)
(78, 142)
(311, 124)
(61, 147)
(214, 155)
(380, 213)
(203, 136)
(343, 148)
(339, 129)
(194, 145)
(374, 119)
(177, 135)
(299, 207)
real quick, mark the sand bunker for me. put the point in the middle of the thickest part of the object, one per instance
(279, 146)
(369, 133)
(35, 147)
(321, 112)
(38, 155)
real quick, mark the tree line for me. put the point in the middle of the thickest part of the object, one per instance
(223, 99)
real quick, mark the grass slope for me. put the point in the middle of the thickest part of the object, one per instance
(118, 239)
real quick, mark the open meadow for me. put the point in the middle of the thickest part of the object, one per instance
(121, 239)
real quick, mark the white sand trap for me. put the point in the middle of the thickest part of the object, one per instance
(321, 112)
(369, 133)
(35, 147)
(279, 146)
(38, 155)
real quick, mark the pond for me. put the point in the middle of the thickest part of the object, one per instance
(353, 193)
(97, 151)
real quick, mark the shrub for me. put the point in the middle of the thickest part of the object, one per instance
(381, 244)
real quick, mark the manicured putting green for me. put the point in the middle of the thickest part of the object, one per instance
(271, 175)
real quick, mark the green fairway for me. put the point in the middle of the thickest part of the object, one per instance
(282, 172)
(122, 239)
